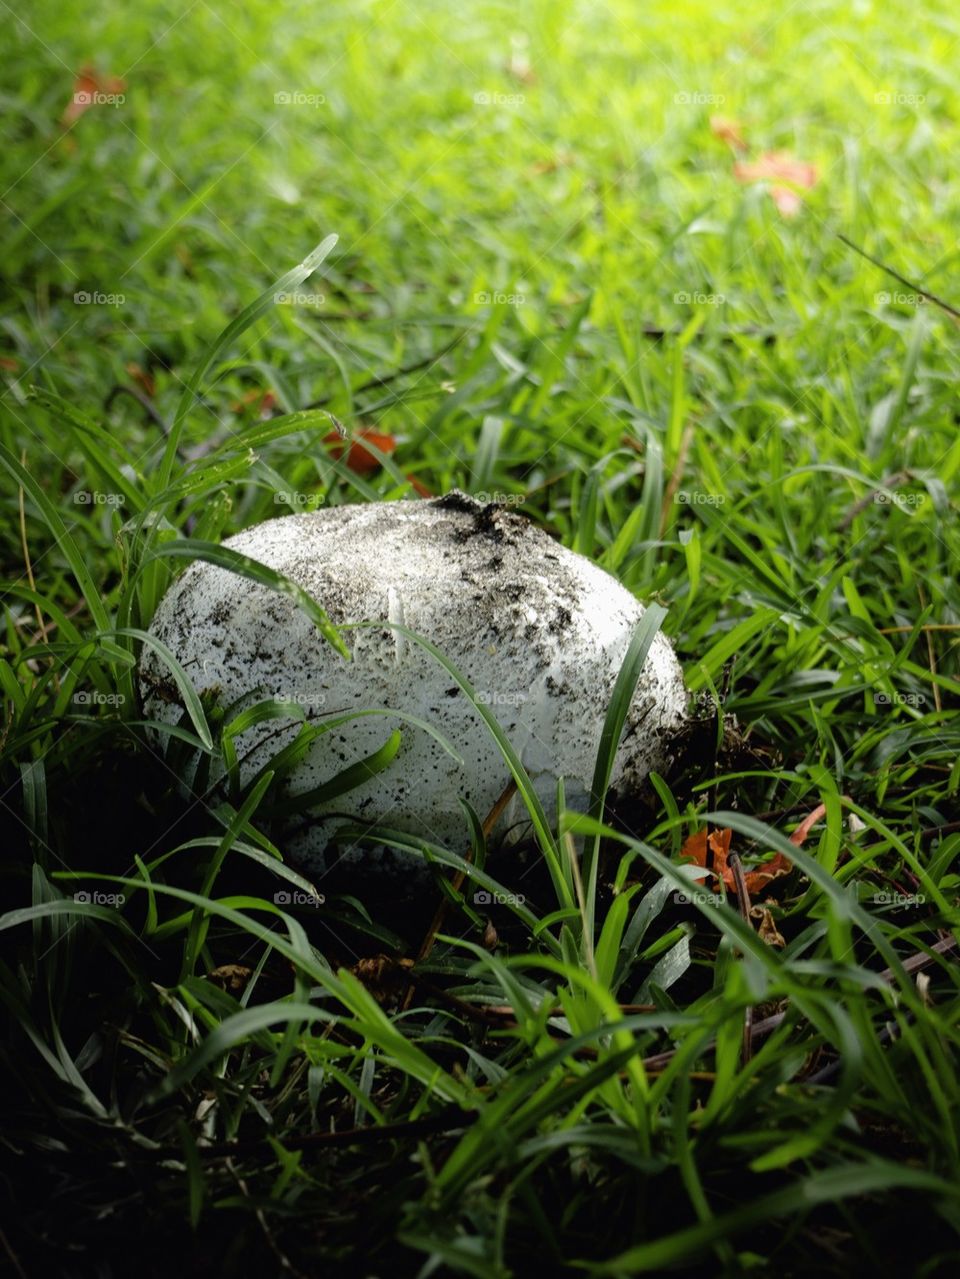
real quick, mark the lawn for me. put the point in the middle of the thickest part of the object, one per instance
(676, 282)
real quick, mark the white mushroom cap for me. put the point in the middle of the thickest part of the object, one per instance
(539, 631)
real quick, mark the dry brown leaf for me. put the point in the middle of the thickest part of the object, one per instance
(784, 173)
(766, 929)
(561, 160)
(146, 380)
(231, 977)
(383, 976)
(728, 130)
(261, 402)
(91, 89)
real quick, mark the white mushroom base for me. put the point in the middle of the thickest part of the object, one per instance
(538, 631)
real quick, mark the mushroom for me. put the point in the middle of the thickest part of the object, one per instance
(538, 631)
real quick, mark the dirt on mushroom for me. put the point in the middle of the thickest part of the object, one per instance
(538, 632)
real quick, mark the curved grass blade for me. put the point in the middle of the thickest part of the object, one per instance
(191, 701)
(234, 562)
(248, 316)
(61, 535)
(347, 779)
(524, 785)
(613, 723)
(822, 1187)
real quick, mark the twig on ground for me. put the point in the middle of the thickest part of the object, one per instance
(931, 656)
(743, 902)
(14, 1259)
(285, 1262)
(451, 1117)
(676, 477)
(149, 408)
(891, 481)
(902, 279)
(24, 543)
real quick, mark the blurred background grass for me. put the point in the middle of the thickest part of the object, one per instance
(592, 167)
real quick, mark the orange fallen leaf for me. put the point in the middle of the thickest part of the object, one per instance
(91, 89)
(712, 851)
(360, 460)
(784, 173)
(728, 130)
(8, 363)
(763, 875)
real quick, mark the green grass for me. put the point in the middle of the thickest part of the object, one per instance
(558, 293)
